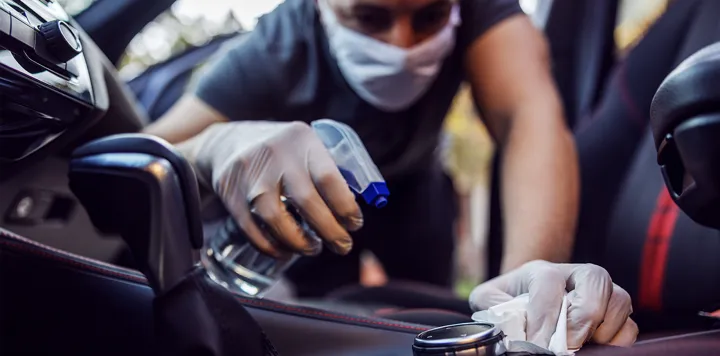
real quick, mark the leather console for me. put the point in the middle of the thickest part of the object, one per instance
(58, 303)
(700, 343)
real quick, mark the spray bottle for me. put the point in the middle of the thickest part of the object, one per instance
(234, 263)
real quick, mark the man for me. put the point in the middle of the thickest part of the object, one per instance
(389, 69)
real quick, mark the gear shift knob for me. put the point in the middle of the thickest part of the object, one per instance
(138, 186)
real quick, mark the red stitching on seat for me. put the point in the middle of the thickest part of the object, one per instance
(132, 276)
(124, 275)
(70, 255)
(655, 252)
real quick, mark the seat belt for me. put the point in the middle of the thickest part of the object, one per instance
(704, 31)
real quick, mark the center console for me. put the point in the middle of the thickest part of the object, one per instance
(57, 90)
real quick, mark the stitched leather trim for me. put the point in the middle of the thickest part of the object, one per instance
(20, 244)
(325, 315)
(676, 337)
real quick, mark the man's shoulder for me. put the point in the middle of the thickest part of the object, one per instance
(278, 42)
(266, 70)
(478, 16)
(287, 25)
(250, 77)
(490, 5)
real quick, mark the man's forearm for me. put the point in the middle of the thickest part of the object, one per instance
(187, 118)
(539, 191)
(184, 125)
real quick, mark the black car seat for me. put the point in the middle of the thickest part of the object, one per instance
(627, 221)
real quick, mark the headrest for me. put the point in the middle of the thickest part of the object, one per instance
(692, 89)
(685, 120)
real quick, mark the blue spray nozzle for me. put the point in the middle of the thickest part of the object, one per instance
(376, 194)
(380, 202)
(353, 160)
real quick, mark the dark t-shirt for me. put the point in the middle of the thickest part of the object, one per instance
(283, 70)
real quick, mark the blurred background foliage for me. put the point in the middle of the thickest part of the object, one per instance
(188, 23)
(195, 22)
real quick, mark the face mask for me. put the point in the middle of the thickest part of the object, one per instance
(388, 77)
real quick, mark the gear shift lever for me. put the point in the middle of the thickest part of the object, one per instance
(139, 187)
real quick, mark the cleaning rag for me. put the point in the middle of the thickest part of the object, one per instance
(511, 318)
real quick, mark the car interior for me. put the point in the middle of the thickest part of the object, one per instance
(79, 265)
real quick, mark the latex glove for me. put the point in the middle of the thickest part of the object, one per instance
(598, 309)
(250, 164)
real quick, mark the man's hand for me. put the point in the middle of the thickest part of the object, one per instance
(251, 164)
(598, 309)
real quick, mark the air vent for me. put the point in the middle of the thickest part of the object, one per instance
(24, 131)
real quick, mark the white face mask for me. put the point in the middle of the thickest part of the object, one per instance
(388, 77)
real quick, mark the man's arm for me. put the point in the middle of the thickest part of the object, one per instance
(187, 118)
(510, 74)
(182, 125)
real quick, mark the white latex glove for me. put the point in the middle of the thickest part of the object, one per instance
(250, 164)
(598, 309)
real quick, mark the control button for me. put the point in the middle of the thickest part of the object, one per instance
(36, 207)
(460, 340)
(62, 42)
(28, 64)
(23, 33)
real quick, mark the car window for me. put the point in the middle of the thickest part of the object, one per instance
(538, 10)
(74, 7)
(195, 22)
(189, 23)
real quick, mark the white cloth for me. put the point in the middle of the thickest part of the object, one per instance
(589, 291)
(511, 318)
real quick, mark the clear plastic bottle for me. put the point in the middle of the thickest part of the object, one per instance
(234, 263)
